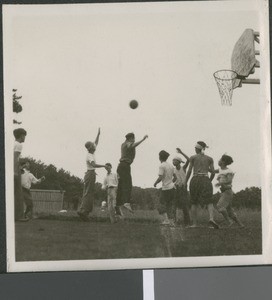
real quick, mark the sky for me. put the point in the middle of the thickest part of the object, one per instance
(77, 67)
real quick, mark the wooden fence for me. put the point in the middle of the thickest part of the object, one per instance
(47, 201)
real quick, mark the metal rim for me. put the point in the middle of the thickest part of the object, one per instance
(231, 71)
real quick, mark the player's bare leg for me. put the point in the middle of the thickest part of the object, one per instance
(194, 211)
(211, 216)
(234, 217)
(225, 214)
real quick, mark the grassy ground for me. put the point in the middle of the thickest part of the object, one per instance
(64, 237)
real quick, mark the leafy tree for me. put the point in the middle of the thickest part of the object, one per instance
(17, 107)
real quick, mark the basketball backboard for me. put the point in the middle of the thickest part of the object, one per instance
(243, 64)
(243, 59)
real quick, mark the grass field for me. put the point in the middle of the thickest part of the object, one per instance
(64, 237)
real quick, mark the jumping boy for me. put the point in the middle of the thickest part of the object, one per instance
(19, 135)
(27, 180)
(182, 199)
(110, 184)
(89, 180)
(201, 189)
(167, 198)
(225, 177)
(128, 152)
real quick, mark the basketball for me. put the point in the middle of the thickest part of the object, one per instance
(133, 104)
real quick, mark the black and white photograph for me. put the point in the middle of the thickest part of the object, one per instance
(137, 135)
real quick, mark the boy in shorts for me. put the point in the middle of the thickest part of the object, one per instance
(201, 189)
(225, 177)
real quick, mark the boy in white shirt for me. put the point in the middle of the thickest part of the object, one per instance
(89, 180)
(19, 135)
(27, 180)
(110, 184)
(225, 177)
(167, 199)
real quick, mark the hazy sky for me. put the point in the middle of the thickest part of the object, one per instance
(78, 67)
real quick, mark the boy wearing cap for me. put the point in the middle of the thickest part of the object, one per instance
(167, 199)
(89, 180)
(182, 201)
(19, 135)
(110, 184)
(128, 152)
(201, 189)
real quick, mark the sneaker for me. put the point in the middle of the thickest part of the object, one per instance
(83, 217)
(165, 223)
(231, 223)
(128, 207)
(22, 220)
(192, 226)
(213, 224)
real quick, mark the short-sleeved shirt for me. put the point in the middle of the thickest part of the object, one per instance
(225, 176)
(27, 179)
(201, 164)
(111, 180)
(166, 170)
(127, 152)
(18, 147)
(89, 159)
(181, 176)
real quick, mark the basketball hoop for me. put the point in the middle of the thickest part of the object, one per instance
(225, 80)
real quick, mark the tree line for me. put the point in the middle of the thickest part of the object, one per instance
(144, 199)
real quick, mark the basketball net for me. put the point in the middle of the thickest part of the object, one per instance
(225, 80)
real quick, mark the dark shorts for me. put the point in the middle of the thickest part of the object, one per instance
(167, 203)
(201, 190)
(182, 197)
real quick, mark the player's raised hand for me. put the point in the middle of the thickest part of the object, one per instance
(145, 137)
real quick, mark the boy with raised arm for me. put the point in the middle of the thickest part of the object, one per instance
(128, 152)
(182, 199)
(201, 189)
(89, 180)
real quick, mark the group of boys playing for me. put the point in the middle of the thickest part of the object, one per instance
(174, 180)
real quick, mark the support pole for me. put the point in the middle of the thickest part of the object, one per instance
(251, 81)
